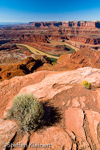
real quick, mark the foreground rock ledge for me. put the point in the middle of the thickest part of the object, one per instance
(79, 127)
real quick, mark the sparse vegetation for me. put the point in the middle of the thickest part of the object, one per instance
(27, 111)
(86, 84)
(37, 52)
(71, 50)
(53, 61)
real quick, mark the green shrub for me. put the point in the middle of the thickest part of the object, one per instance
(86, 84)
(27, 111)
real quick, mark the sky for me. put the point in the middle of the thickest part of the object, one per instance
(49, 10)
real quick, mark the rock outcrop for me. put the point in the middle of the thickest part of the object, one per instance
(8, 129)
(78, 59)
(73, 111)
(8, 47)
(68, 24)
(86, 32)
(23, 67)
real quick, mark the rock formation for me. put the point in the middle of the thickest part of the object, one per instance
(78, 59)
(18, 64)
(8, 46)
(24, 67)
(73, 111)
(86, 32)
(68, 24)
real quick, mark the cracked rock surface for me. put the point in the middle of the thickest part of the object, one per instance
(73, 112)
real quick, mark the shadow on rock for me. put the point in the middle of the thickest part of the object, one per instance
(52, 115)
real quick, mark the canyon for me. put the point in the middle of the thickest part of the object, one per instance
(80, 34)
(51, 60)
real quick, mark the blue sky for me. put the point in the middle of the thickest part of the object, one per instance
(52, 10)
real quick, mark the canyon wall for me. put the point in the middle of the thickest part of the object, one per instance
(86, 32)
(68, 24)
(45, 37)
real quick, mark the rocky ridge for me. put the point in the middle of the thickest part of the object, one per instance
(68, 24)
(81, 58)
(78, 59)
(85, 32)
(23, 67)
(72, 111)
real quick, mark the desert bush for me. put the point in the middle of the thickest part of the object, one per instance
(86, 84)
(27, 111)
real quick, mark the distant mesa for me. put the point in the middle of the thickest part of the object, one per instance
(68, 24)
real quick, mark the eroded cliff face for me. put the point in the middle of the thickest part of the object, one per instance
(8, 47)
(85, 32)
(21, 62)
(22, 67)
(68, 24)
(81, 58)
(72, 111)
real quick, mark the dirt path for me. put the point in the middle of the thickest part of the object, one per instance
(35, 51)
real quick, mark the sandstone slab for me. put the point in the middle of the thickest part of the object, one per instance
(53, 138)
(74, 123)
(93, 119)
(7, 132)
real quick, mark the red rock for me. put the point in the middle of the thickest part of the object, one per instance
(78, 31)
(8, 47)
(10, 88)
(23, 67)
(93, 119)
(68, 103)
(45, 90)
(67, 24)
(61, 88)
(21, 145)
(75, 102)
(8, 130)
(74, 123)
(79, 59)
(63, 103)
(52, 138)
(82, 100)
(98, 98)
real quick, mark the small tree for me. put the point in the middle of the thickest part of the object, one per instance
(27, 111)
